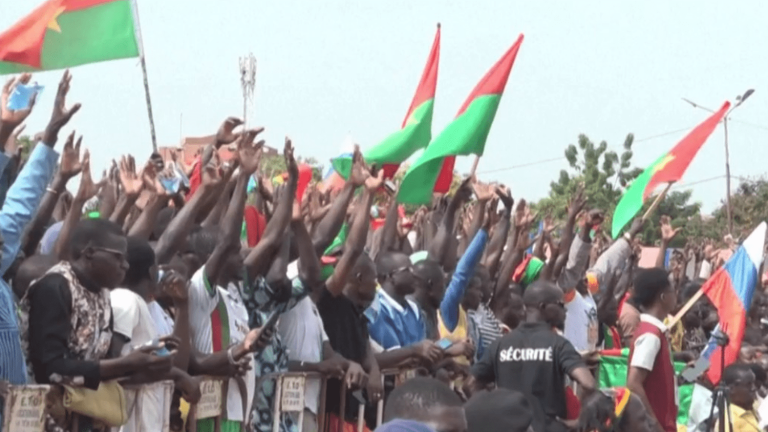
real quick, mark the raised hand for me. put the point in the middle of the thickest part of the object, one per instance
(175, 287)
(667, 232)
(505, 195)
(225, 134)
(290, 160)
(523, 216)
(12, 118)
(593, 219)
(129, 180)
(374, 180)
(61, 115)
(212, 172)
(151, 179)
(248, 153)
(577, 203)
(464, 193)
(483, 192)
(70, 158)
(359, 174)
(88, 189)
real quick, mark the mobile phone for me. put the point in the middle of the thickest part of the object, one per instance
(390, 186)
(271, 321)
(160, 349)
(22, 95)
(444, 344)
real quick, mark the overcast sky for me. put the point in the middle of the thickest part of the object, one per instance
(326, 69)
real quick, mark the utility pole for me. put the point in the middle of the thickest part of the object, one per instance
(247, 82)
(740, 99)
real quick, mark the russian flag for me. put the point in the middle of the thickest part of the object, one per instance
(730, 289)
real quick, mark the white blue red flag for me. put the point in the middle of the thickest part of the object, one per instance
(730, 289)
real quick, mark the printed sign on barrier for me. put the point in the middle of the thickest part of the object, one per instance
(25, 408)
(210, 404)
(292, 394)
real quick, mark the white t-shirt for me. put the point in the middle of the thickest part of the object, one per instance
(301, 330)
(218, 319)
(581, 325)
(146, 407)
(163, 322)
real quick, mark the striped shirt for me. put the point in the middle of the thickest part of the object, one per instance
(487, 325)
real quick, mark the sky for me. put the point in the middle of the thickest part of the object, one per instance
(335, 68)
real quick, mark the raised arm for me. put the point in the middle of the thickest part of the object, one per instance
(12, 119)
(500, 232)
(355, 243)
(132, 186)
(438, 248)
(69, 167)
(26, 192)
(158, 201)
(249, 155)
(578, 255)
(329, 226)
(574, 208)
(465, 269)
(257, 262)
(514, 256)
(87, 190)
(667, 235)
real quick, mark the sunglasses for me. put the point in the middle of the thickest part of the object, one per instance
(560, 304)
(408, 269)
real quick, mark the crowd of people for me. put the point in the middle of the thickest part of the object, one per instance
(498, 331)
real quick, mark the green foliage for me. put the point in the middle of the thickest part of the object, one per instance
(749, 204)
(606, 175)
(275, 165)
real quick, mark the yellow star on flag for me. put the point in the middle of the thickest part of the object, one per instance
(669, 158)
(53, 24)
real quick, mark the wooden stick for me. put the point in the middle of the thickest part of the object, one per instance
(474, 166)
(135, 10)
(656, 202)
(685, 308)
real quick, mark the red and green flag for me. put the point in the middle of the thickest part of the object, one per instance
(667, 169)
(65, 33)
(416, 130)
(465, 135)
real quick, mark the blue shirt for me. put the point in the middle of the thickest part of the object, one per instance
(393, 326)
(20, 206)
(465, 269)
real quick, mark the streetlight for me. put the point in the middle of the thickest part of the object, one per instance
(740, 99)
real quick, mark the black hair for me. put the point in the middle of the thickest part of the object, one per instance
(202, 241)
(760, 375)
(140, 259)
(386, 262)
(92, 232)
(540, 291)
(598, 413)
(649, 284)
(414, 398)
(735, 372)
(164, 218)
(689, 290)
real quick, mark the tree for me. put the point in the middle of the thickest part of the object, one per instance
(605, 176)
(603, 173)
(749, 206)
(275, 165)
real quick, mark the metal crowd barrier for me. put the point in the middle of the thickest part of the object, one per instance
(290, 389)
(25, 408)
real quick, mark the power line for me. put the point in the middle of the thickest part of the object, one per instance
(543, 161)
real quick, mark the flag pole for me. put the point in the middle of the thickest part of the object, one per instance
(474, 164)
(656, 202)
(685, 308)
(144, 73)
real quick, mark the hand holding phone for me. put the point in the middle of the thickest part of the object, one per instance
(22, 95)
(444, 344)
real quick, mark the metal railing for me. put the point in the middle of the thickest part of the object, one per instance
(26, 409)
